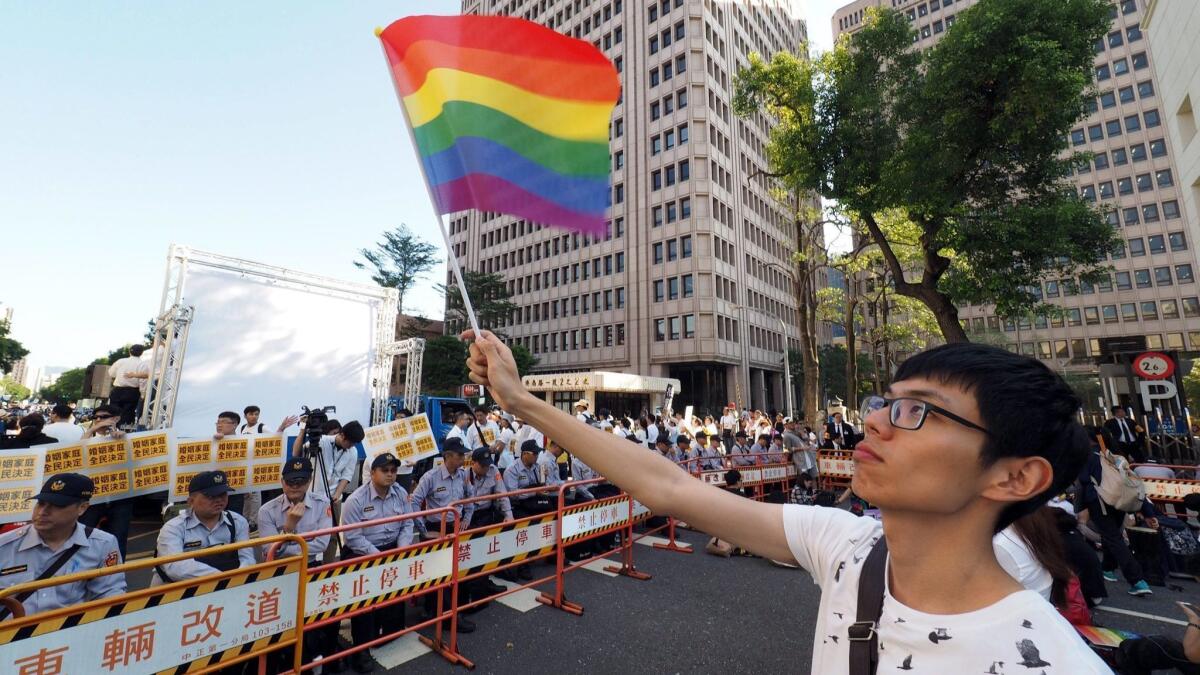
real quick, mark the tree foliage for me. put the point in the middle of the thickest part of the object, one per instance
(489, 296)
(524, 358)
(444, 366)
(11, 388)
(399, 261)
(11, 351)
(67, 388)
(965, 140)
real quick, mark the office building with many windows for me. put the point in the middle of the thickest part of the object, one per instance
(693, 278)
(1152, 290)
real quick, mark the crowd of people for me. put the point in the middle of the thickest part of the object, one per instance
(1064, 545)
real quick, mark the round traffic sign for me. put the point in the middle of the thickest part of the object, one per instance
(1153, 366)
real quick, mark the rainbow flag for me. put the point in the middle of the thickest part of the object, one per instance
(507, 115)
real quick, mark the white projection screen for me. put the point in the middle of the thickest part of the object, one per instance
(264, 340)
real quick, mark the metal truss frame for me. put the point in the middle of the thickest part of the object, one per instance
(174, 320)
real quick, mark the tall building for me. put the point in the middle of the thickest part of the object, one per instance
(1171, 28)
(1152, 291)
(693, 280)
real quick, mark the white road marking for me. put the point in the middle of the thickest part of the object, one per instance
(650, 540)
(598, 566)
(1141, 615)
(404, 649)
(522, 601)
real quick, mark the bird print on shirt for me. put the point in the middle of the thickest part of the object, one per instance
(899, 620)
(992, 670)
(839, 615)
(834, 638)
(907, 664)
(1030, 656)
(939, 634)
(837, 575)
(857, 559)
(1026, 624)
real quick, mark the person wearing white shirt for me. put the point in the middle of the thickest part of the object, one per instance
(947, 471)
(464, 429)
(1013, 554)
(334, 462)
(129, 381)
(728, 425)
(61, 426)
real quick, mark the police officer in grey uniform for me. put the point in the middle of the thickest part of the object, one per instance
(486, 480)
(442, 486)
(206, 523)
(299, 511)
(524, 474)
(438, 488)
(379, 498)
(57, 544)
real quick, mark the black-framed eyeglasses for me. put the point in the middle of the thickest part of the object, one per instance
(910, 413)
(103, 416)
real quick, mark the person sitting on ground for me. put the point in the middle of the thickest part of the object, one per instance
(1154, 653)
(947, 471)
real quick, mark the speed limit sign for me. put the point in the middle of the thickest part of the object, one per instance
(1153, 366)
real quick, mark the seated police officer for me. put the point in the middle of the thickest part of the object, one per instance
(486, 480)
(377, 499)
(441, 487)
(524, 474)
(299, 511)
(741, 454)
(56, 544)
(205, 523)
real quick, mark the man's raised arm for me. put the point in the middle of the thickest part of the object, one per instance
(649, 477)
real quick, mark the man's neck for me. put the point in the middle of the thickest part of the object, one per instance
(210, 523)
(924, 551)
(381, 490)
(55, 539)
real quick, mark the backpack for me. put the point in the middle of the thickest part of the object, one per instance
(1119, 486)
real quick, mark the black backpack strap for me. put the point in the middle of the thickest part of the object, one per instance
(863, 633)
(54, 567)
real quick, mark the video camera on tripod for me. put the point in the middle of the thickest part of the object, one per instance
(314, 420)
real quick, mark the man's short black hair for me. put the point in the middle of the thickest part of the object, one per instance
(251, 409)
(331, 426)
(353, 432)
(1115, 408)
(1028, 409)
(62, 411)
(33, 421)
(137, 350)
(482, 409)
(230, 415)
(766, 436)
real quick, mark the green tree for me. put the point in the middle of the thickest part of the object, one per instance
(415, 327)
(14, 389)
(399, 261)
(67, 388)
(1191, 386)
(966, 140)
(524, 358)
(11, 351)
(444, 366)
(490, 298)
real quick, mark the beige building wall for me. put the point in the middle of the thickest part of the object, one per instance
(1173, 29)
(1152, 290)
(691, 282)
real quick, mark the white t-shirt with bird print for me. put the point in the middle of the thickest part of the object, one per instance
(1021, 634)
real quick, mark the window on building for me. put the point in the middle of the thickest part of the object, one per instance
(1150, 213)
(1119, 157)
(1163, 178)
(1183, 274)
(1152, 119)
(1149, 310)
(1146, 89)
(1129, 311)
(1170, 209)
(1141, 278)
(1178, 241)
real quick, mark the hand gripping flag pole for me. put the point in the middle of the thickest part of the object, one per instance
(506, 116)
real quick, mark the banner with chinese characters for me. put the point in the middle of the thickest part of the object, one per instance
(410, 438)
(252, 463)
(135, 464)
(21, 477)
(179, 630)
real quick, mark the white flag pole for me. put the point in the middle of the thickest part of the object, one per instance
(452, 259)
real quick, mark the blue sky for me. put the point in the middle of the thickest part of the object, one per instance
(262, 130)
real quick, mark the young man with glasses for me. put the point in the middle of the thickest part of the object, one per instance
(947, 468)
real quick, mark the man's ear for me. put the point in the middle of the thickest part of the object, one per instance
(1016, 479)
